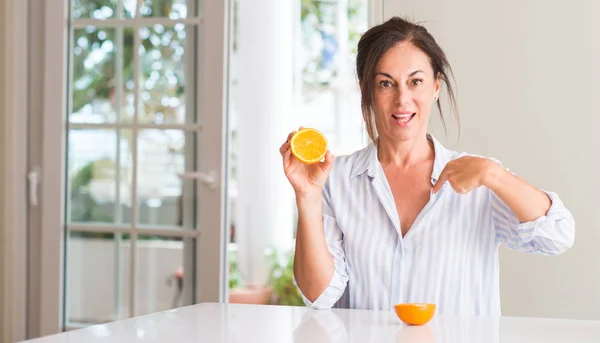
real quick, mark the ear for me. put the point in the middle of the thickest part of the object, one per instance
(437, 86)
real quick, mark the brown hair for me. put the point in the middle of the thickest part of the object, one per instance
(376, 41)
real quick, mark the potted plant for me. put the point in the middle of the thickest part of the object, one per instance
(281, 279)
(239, 292)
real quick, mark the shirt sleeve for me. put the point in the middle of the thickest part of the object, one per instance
(550, 234)
(334, 238)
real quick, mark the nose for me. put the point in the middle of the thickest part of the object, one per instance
(401, 96)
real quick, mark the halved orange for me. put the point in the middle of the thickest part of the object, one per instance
(308, 145)
(415, 314)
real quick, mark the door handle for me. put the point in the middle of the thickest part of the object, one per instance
(33, 177)
(207, 179)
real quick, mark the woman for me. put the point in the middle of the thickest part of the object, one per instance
(405, 219)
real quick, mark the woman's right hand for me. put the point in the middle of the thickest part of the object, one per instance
(306, 179)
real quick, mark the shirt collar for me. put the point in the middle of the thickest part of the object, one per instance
(367, 162)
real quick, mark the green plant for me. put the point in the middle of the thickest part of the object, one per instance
(82, 206)
(235, 277)
(281, 278)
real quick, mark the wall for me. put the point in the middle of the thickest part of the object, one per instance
(13, 126)
(527, 75)
(3, 329)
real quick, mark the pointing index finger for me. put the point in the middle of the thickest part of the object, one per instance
(440, 181)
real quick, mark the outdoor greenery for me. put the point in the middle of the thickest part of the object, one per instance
(95, 50)
(162, 84)
(94, 82)
(320, 46)
(235, 277)
(83, 207)
(281, 278)
(281, 273)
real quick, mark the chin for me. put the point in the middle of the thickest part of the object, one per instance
(406, 134)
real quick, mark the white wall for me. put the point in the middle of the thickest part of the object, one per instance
(527, 75)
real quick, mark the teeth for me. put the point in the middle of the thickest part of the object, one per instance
(403, 118)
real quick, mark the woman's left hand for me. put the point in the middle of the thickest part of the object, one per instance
(467, 173)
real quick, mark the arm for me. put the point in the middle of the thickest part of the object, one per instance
(526, 218)
(313, 264)
(319, 262)
(525, 201)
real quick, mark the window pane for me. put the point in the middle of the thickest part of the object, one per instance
(173, 9)
(92, 175)
(94, 9)
(129, 7)
(97, 277)
(102, 9)
(162, 156)
(164, 65)
(329, 95)
(97, 53)
(159, 273)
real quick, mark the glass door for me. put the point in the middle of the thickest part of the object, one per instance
(139, 123)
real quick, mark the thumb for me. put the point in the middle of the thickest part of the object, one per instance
(327, 164)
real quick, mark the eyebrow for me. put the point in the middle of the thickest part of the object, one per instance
(409, 75)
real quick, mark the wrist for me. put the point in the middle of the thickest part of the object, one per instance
(309, 202)
(309, 196)
(493, 175)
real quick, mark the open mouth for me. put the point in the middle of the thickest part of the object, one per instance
(403, 118)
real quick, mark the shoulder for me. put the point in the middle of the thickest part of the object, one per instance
(345, 163)
(359, 162)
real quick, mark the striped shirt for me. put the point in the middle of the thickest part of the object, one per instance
(449, 256)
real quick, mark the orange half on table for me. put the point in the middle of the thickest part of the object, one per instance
(415, 314)
(308, 146)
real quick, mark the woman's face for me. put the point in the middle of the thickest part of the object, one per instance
(403, 93)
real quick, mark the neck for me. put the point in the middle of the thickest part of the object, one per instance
(404, 154)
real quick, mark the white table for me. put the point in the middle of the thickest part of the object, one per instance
(211, 322)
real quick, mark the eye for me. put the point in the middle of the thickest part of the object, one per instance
(416, 82)
(385, 84)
